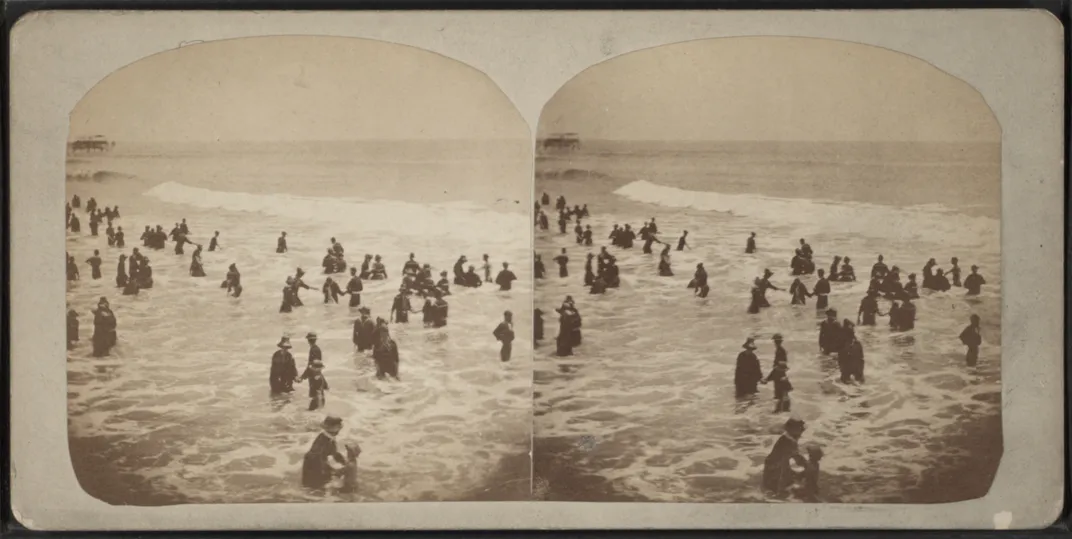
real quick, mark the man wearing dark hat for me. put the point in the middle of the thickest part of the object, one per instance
(830, 333)
(778, 474)
(748, 373)
(314, 349)
(284, 370)
(317, 470)
(974, 282)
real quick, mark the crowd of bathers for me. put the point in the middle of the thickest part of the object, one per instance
(835, 337)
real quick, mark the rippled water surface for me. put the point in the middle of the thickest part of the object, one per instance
(181, 410)
(645, 409)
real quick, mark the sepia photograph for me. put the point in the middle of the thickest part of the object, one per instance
(298, 271)
(767, 269)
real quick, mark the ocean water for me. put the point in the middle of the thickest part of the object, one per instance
(645, 409)
(181, 412)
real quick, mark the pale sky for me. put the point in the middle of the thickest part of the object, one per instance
(296, 88)
(769, 88)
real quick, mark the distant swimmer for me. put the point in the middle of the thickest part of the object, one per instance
(486, 267)
(121, 272)
(800, 264)
(805, 249)
(974, 282)
(750, 246)
(563, 220)
(288, 296)
(748, 374)
(95, 264)
(379, 271)
(459, 271)
(954, 272)
(505, 278)
(928, 274)
(906, 315)
(681, 243)
(72, 269)
(544, 223)
(586, 236)
(91, 205)
(699, 282)
(401, 307)
(879, 270)
(196, 268)
(185, 229)
(865, 316)
(213, 243)
(578, 231)
(104, 329)
(440, 310)
(537, 325)
(364, 328)
(649, 240)
(821, 292)
(75, 224)
(281, 243)
(318, 385)
(336, 248)
(385, 354)
(846, 273)
(584, 210)
(145, 274)
(471, 280)
(504, 333)
(831, 335)
(851, 356)
(72, 328)
(298, 284)
(120, 238)
(331, 291)
(589, 275)
(545, 199)
(411, 267)
(317, 470)
(654, 228)
(599, 285)
(443, 284)
(569, 320)
(76, 202)
(115, 212)
(284, 371)
(560, 203)
(615, 233)
(834, 269)
(911, 289)
(664, 263)
(799, 293)
(972, 337)
(93, 224)
(562, 260)
(941, 283)
(895, 315)
(110, 234)
(759, 295)
(538, 269)
(891, 285)
(626, 237)
(365, 265)
(233, 281)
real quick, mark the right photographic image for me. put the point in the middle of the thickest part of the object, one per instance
(768, 269)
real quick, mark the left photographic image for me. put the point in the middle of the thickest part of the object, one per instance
(299, 270)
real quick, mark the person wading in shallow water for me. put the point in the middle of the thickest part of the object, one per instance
(104, 329)
(281, 243)
(972, 337)
(314, 373)
(748, 373)
(778, 474)
(504, 333)
(284, 370)
(317, 470)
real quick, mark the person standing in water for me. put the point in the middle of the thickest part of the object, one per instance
(385, 354)
(233, 281)
(778, 474)
(505, 278)
(104, 329)
(911, 289)
(972, 337)
(851, 356)
(589, 275)
(830, 333)
(586, 236)
(354, 288)
(906, 315)
(121, 272)
(538, 269)
(363, 330)
(699, 281)
(331, 291)
(974, 282)
(681, 243)
(317, 470)
(750, 246)
(72, 328)
(196, 269)
(281, 243)
(748, 373)
(504, 333)
(879, 270)
(821, 292)
(284, 371)
(954, 272)
(865, 316)
(120, 238)
(95, 264)
(562, 260)
(401, 307)
(780, 376)
(72, 269)
(664, 263)
(314, 373)
(486, 266)
(214, 243)
(799, 292)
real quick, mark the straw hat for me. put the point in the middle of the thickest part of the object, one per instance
(749, 344)
(284, 343)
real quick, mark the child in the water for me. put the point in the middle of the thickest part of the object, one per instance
(317, 384)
